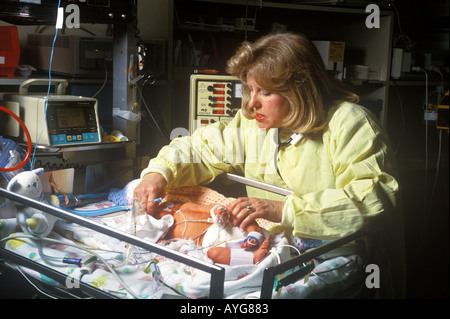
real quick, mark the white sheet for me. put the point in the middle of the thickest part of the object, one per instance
(132, 278)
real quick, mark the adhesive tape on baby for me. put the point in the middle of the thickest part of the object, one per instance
(88, 264)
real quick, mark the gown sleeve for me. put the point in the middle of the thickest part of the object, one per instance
(365, 188)
(198, 159)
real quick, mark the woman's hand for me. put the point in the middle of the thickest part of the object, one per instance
(151, 187)
(246, 210)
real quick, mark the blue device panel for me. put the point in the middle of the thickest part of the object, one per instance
(72, 122)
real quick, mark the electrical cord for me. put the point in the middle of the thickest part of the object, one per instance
(160, 129)
(103, 85)
(48, 90)
(35, 286)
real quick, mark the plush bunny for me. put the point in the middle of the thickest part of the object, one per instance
(32, 221)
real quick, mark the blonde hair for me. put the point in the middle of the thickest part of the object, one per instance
(289, 64)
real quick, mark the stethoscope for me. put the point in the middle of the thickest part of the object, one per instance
(294, 139)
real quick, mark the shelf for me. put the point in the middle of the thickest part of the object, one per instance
(58, 149)
(366, 82)
(19, 80)
(82, 147)
(286, 5)
(12, 81)
(203, 27)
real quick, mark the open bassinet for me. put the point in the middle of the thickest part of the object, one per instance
(102, 256)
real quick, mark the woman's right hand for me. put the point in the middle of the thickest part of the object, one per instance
(245, 211)
(151, 187)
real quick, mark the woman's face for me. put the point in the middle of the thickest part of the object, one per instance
(270, 108)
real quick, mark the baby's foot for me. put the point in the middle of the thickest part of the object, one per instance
(253, 240)
(261, 251)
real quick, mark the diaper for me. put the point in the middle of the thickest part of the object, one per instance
(217, 235)
(152, 229)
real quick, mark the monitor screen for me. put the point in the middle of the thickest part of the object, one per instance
(71, 117)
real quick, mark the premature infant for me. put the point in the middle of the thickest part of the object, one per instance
(200, 219)
(209, 225)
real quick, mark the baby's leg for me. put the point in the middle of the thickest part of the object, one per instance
(219, 255)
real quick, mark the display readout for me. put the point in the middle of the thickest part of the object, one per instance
(71, 117)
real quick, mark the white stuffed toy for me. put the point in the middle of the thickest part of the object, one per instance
(32, 221)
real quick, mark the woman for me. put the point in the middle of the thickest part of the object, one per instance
(339, 163)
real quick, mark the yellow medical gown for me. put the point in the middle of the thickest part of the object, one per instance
(342, 179)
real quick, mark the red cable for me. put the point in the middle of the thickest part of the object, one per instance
(27, 156)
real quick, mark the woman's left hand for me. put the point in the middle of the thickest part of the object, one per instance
(246, 210)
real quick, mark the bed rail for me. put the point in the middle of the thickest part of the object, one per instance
(271, 272)
(217, 272)
(260, 185)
